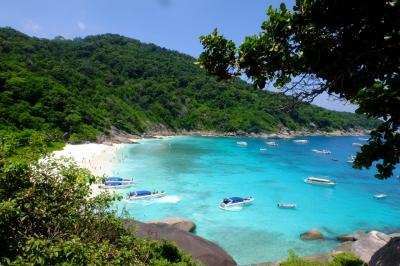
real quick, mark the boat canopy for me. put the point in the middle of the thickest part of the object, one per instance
(113, 183)
(139, 193)
(114, 178)
(232, 200)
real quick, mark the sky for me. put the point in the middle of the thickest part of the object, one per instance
(173, 24)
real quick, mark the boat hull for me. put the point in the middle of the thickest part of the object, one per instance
(152, 196)
(323, 183)
(236, 204)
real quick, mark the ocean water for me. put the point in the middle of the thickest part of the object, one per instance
(198, 172)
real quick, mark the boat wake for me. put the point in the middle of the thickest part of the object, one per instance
(233, 208)
(168, 199)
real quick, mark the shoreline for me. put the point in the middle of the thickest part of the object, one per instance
(123, 137)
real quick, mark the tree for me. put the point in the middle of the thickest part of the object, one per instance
(345, 48)
(47, 216)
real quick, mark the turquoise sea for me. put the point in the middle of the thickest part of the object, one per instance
(198, 172)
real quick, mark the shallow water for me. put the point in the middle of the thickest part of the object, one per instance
(198, 172)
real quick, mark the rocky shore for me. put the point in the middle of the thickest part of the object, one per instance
(374, 248)
(118, 136)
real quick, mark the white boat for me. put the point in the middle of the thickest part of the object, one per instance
(271, 143)
(363, 139)
(235, 202)
(351, 159)
(123, 180)
(356, 144)
(241, 143)
(263, 149)
(286, 205)
(319, 181)
(380, 196)
(144, 194)
(322, 151)
(116, 185)
(301, 141)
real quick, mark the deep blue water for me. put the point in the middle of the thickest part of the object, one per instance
(198, 172)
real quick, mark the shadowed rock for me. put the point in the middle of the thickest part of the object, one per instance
(201, 249)
(388, 254)
(176, 222)
(345, 238)
(365, 246)
(312, 234)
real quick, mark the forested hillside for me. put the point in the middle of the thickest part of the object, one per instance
(84, 86)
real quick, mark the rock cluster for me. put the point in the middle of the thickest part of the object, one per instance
(202, 250)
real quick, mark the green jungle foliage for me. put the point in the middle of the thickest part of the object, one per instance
(341, 259)
(48, 218)
(82, 87)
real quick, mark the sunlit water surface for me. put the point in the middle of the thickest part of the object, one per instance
(198, 172)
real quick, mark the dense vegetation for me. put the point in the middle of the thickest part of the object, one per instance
(338, 47)
(79, 88)
(48, 218)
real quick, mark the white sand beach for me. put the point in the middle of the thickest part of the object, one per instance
(99, 159)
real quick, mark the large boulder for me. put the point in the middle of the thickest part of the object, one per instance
(313, 234)
(176, 222)
(388, 254)
(202, 250)
(365, 246)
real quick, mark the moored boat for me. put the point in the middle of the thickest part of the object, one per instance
(144, 194)
(116, 185)
(286, 205)
(321, 151)
(241, 143)
(263, 149)
(301, 141)
(356, 144)
(380, 196)
(124, 180)
(271, 143)
(351, 159)
(235, 202)
(319, 181)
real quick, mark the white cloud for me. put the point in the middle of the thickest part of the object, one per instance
(32, 26)
(81, 25)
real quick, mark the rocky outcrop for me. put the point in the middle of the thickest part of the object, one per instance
(365, 246)
(313, 234)
(176, 222)
(202, 250)
(388, 254)
(345, 238)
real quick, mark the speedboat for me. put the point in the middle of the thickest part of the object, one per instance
(286, 205)
(363, 139)
(319, 181)
(116, 185)
(123, 180)
(144, 194)
(322, 151)
(356, 144)
(263, 149)
(300, 141)
(351, 159)
(271, 143)
(235, 202)
(241, 143)
(380, 196)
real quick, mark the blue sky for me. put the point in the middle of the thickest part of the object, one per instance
(174, 24)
